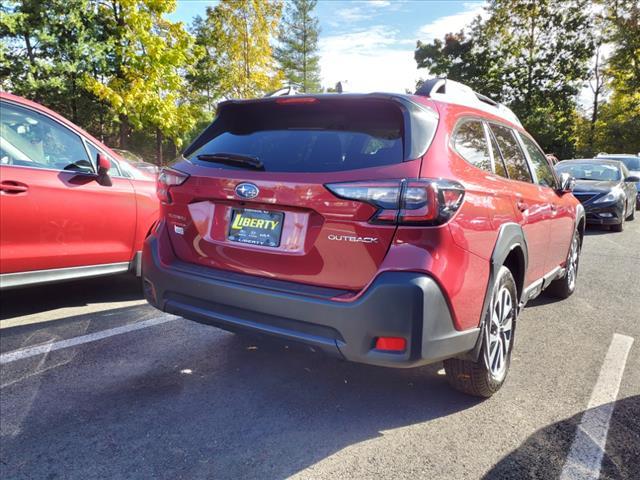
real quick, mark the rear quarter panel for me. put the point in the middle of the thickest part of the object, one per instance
(460, 258)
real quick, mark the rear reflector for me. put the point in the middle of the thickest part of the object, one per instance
(391, 344)
(409, 202)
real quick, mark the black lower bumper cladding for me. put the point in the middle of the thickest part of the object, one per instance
(398, 304)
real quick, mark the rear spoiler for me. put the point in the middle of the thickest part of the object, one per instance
(420, 121)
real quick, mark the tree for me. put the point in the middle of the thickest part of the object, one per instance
(46, 48)
(144, 84)
(462, 57)
(529, 54)
(298, 51)
(237, 35)
(205, 79)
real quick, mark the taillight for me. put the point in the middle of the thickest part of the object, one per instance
(408, 202)
(167, 178)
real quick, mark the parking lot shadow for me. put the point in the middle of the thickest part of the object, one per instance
(543, 454)
(223, 407)
(44, 298)
(597, 230)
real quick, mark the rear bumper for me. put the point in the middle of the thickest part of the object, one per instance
(397, 304)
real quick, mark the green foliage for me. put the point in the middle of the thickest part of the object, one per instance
(128, 75)
(46, 48)
(530, 54)
(461, 57)
(143, 83)
(298, 51)
(237, 36)
(206, 77)
(615, 126)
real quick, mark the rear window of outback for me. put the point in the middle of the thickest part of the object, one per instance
(324, 136)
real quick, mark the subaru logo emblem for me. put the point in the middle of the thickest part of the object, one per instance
(247, 190)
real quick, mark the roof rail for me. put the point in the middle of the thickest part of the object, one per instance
(450, 91)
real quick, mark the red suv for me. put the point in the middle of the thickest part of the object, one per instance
(69, 206)
(393, 230)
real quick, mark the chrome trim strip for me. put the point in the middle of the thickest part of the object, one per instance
(35, 277)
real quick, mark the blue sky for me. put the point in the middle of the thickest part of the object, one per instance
(368, 44)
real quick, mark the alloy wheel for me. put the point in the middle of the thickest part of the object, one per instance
(572, 263)
(500, 333)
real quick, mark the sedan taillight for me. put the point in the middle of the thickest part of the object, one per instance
(407, 202)
(167, 178)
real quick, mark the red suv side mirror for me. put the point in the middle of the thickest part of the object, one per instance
(104, 164)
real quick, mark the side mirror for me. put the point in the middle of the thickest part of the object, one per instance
(632, 179)
(567, 182)
(104, 165)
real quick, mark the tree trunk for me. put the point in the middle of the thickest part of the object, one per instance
(596, 97)
(532, 30)
(304, 54)
(124, 124)
(74, 101)
(159, 158)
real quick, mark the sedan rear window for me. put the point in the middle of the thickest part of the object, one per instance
(324, 136)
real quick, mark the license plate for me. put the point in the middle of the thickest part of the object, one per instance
(256, 227)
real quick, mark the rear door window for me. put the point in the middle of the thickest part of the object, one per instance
(540, 163)
(512, 154)
(498, 162)
(470, 142)
(325, 136)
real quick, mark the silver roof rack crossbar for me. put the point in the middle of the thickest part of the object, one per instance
(450, 91)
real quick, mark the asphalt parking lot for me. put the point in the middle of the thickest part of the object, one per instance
(120, 390)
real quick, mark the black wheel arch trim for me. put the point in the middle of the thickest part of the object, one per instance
(580, 217)
(510, 237)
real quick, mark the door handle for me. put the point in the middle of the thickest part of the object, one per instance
(554, 207)
(11, 187)
(522, 206)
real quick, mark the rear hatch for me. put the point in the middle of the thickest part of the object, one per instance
(261, 199)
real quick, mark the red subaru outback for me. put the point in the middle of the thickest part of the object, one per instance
(393, 230)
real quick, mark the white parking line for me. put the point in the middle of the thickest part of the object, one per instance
(91, 337)
(61, 313)
(585, 457)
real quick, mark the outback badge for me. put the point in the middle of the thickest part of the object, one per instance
(247, 190)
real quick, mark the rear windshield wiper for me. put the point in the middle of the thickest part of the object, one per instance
(245, 161)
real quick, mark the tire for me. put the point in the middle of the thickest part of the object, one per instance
(485, 377)
(565, 286)
(619, 227)
(632, 215)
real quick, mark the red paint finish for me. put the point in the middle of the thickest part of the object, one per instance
(67, 219)
(315, 247)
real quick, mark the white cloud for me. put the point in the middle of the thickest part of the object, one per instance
(451, 23)
(373, 59)
(361, 10)
(377, 58)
